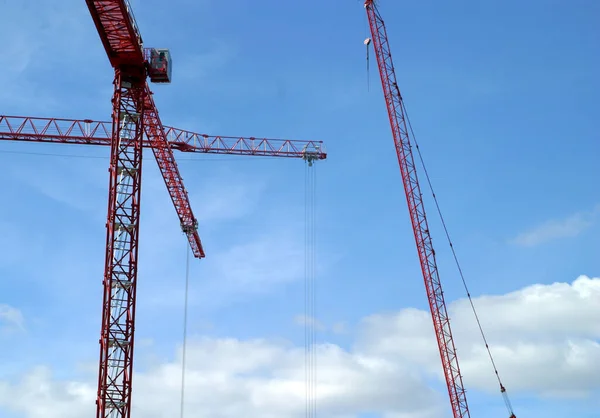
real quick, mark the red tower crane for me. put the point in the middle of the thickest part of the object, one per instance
(435, 295)
(135, 125)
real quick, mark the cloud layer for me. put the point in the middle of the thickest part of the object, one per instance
(568, 227)
(545, 339)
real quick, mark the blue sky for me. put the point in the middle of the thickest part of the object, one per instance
(502, 97)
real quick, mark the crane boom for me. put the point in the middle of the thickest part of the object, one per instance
(89, 132)
(170, 173)
(435, 295)
(118, 31)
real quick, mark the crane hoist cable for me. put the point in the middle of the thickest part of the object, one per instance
(310, 291)
(367, 42)
(460, 270)
(185, 321)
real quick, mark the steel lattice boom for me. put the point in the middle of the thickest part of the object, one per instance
(414, 198)
(118, 31)
(170, 172)
(89, 132)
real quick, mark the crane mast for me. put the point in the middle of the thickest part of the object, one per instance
(122, 229)
(414, 198)
(134, 114)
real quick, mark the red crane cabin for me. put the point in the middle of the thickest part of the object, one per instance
(159, 64)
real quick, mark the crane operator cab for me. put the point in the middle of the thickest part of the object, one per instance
(159, 65)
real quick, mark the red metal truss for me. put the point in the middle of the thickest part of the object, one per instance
(122, 229)
(118, 31)
(168, 167)
(418, 218)
(88, 132)
(134, 115)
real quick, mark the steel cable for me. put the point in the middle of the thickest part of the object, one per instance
(458, 265)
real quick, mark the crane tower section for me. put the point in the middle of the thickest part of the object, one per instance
(122, 229)
(435, 295)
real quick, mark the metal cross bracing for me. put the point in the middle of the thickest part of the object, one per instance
(118, 31)
(122, 228)
(135, 125)
(170, 172)
(89, 132)
(414, 198)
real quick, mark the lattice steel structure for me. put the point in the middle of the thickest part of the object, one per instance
(135, 125)
(414, 198)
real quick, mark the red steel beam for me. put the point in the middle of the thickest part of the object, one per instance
(163, 153)
(122, 238)
(89, 132)
(118, 31)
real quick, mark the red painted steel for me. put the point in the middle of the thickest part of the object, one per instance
(433, 285)
(122, 227)
(118, 31)
(88, 132)
(123, 44)
(168, 167)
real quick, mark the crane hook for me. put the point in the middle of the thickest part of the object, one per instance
(367, 42)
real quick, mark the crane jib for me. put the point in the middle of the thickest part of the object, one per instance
(398, 123)
(118, 31)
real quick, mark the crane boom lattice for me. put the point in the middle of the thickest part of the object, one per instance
(89, 132)
(414, 198)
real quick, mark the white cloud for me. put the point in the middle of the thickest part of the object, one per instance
(545, 339)
(227, 199)
(304, 320)
(256, 267)
(232, 378)
(556, 229)
(11, 318)
(339, 328)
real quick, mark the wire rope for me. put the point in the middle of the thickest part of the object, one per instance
(185, 322)
(310, 294)
(458, 265)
